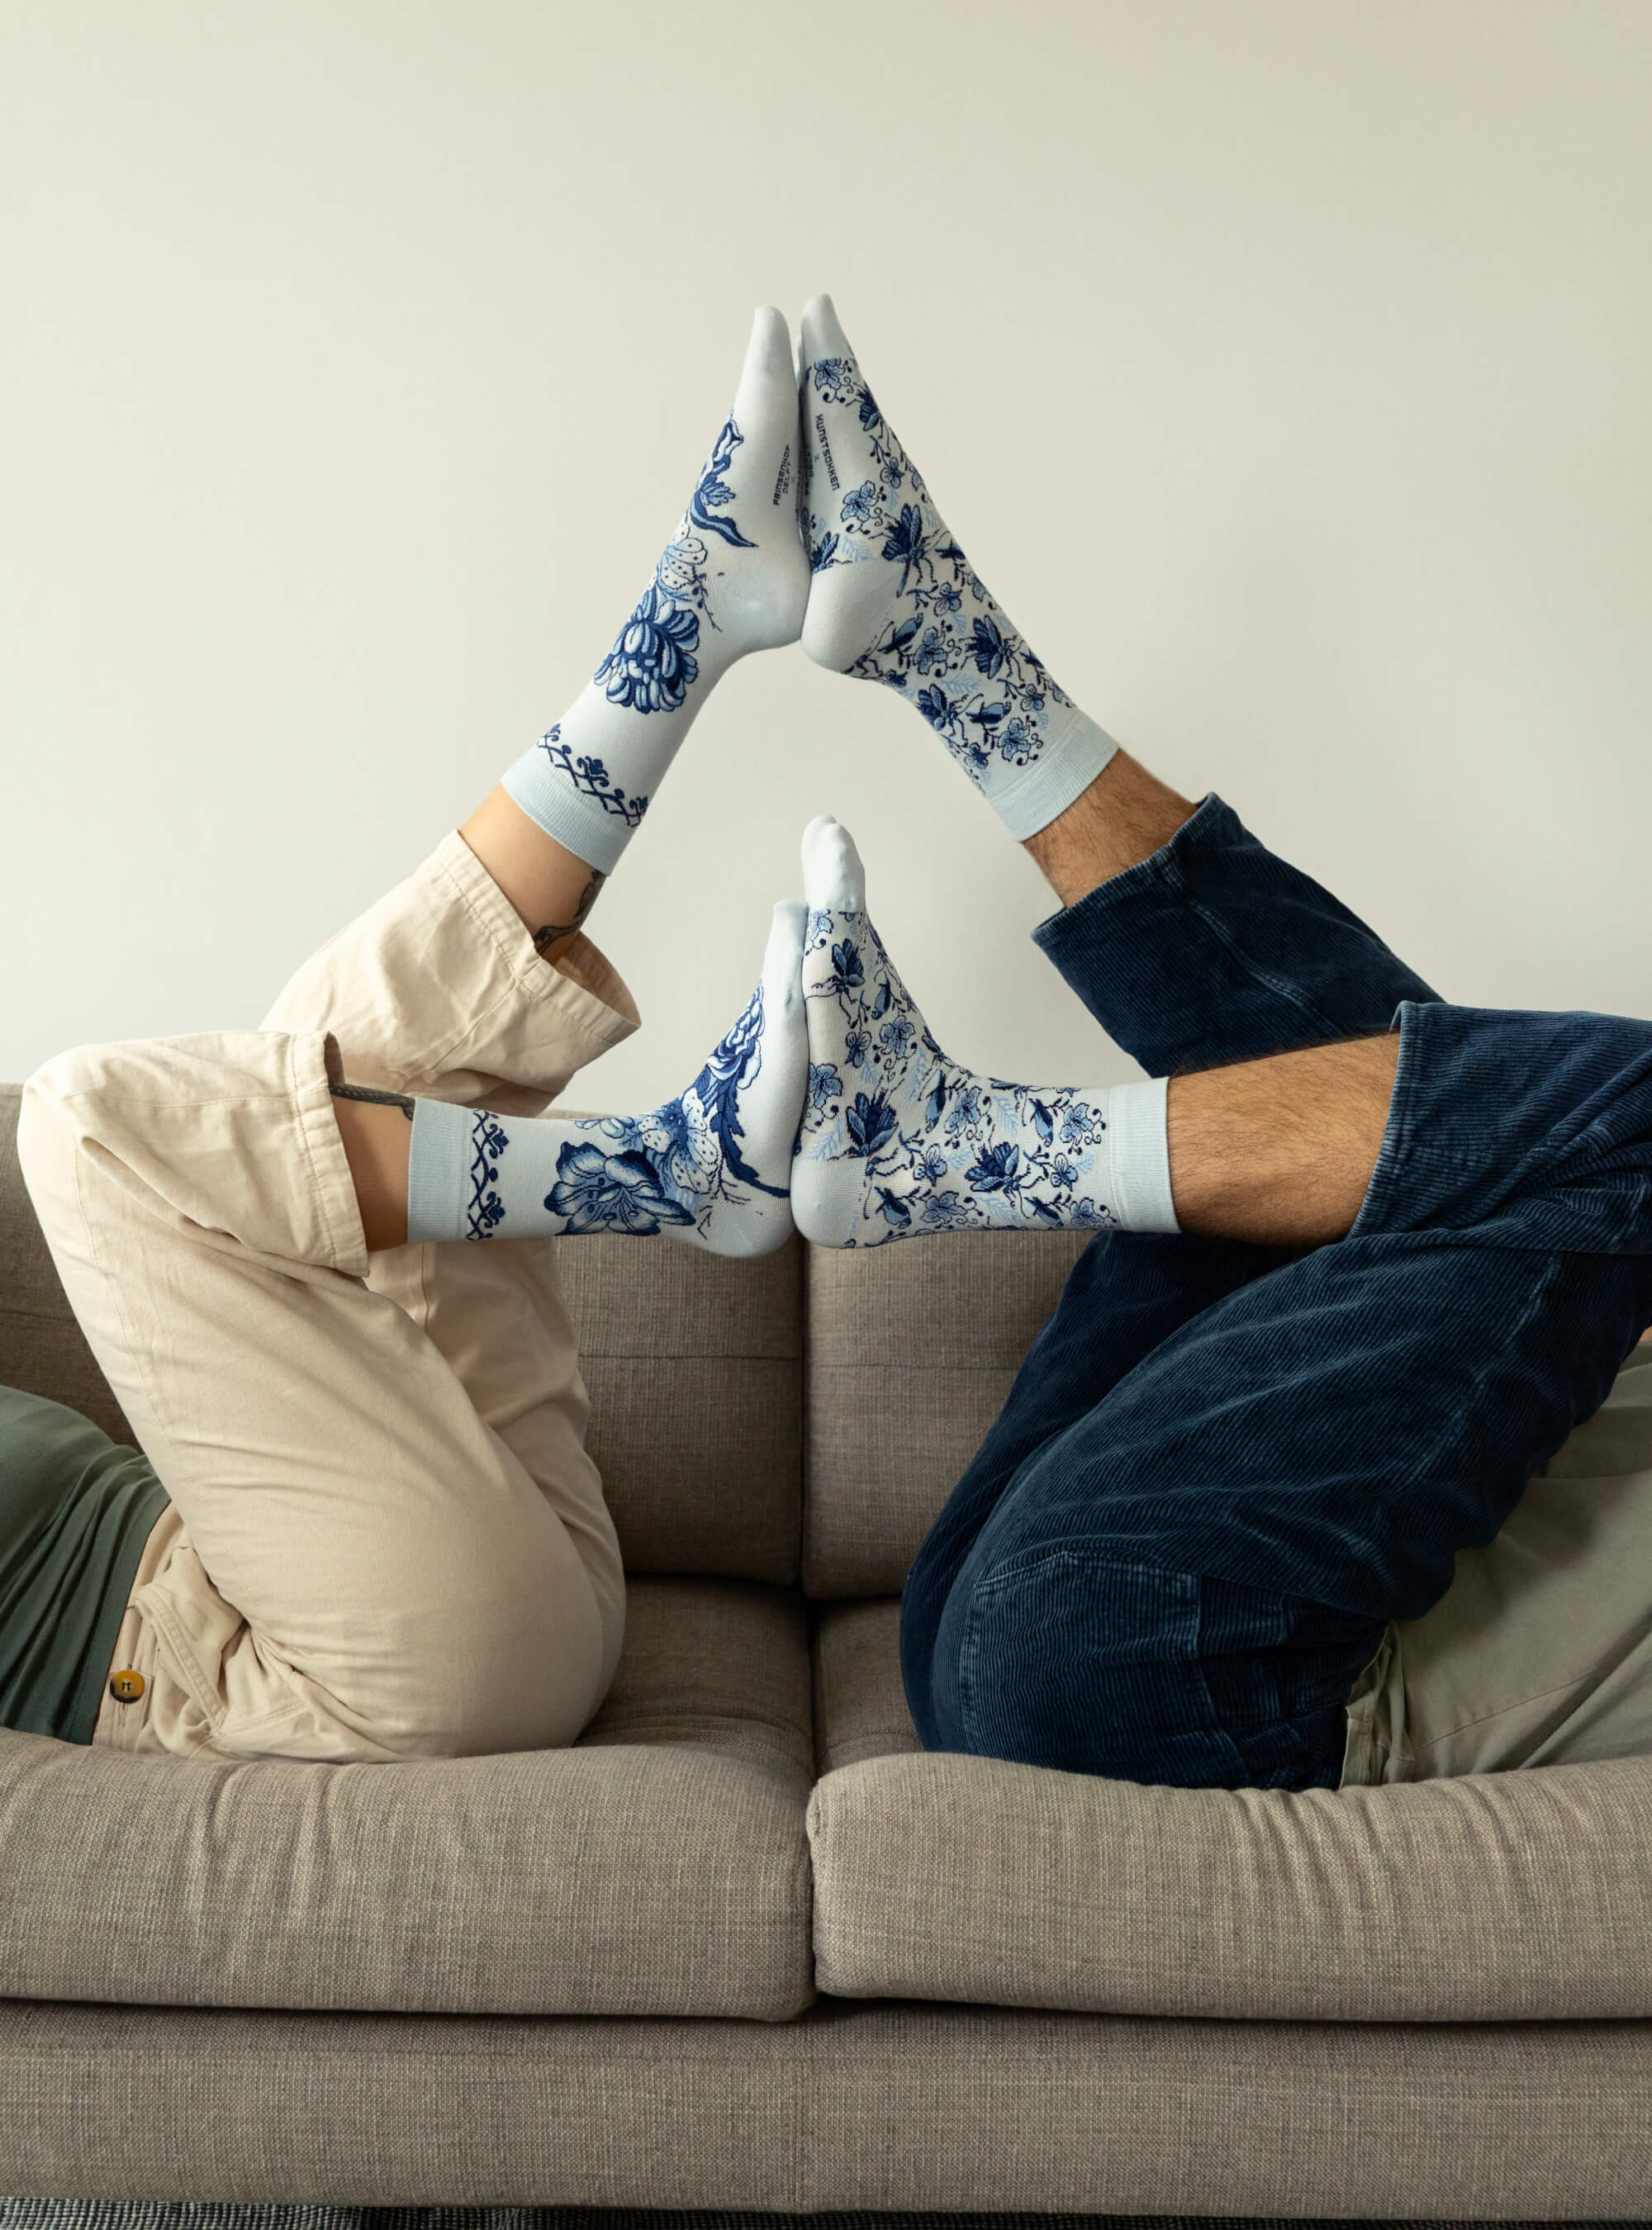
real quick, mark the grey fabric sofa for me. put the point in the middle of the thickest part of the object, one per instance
(747, 1945)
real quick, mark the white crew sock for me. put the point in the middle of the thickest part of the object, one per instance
(711, 1167)
(898, 1140)
(733, 578)
(891, 598)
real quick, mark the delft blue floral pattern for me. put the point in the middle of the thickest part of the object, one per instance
(590, 778)
(644, 1173)
(946, 645)
(485, 1210)
(652, 665)
(942, 1148)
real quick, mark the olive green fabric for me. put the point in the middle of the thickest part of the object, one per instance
(75, 1511)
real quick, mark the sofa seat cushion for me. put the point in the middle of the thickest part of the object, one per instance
(659, 1867)
(1518, 1896)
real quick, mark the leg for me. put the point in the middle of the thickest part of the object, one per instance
(1182, 1584)
(396, 1544)
(733, 579)
(899, 1139)
(711, 1167)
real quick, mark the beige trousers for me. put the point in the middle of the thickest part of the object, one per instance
(390, 1543)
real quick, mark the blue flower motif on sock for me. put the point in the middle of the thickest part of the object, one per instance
(937, 637)
(923, 1144)
(652, 665)
(711, 1167)
(611, 1192)
(690, 1147)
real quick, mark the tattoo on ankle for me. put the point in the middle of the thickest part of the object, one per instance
(379, 1099)
(553, 930)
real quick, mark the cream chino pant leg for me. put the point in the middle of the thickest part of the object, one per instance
(386, 1539)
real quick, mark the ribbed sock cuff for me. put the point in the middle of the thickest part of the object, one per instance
(597, 837)
(1064, 770)
(1138, 1153)
(438, 1166)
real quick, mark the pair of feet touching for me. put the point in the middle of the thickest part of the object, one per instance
(830, 1106)
(827, 1105)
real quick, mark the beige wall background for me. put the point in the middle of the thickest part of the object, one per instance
(1282, 366)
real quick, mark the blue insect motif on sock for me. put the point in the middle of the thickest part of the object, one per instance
(485, 1211)
(943, 1149)
(652, 665)
(984, 691)
(712, 491)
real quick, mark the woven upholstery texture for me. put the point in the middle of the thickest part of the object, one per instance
(659, 1867)
(908, 2107)
(1492, 1897)
(911, 1351)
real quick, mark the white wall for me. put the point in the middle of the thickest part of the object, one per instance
(1283, 365)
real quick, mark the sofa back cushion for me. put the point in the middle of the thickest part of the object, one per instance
(693, 1364)
(911, 1351)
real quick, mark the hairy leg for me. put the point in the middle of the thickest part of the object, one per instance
(1280, 1151)
(1123, 818)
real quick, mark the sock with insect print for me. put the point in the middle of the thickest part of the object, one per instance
(733, 578)
(898, 1139)
(711, 1167)
(893, 598)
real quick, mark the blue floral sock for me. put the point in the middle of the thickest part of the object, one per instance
(732, 578)
(898, 1140)
(711, 1167)
(891, 598)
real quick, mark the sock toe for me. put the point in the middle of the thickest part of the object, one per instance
(833, 875)
(767, 356)
(822, 334)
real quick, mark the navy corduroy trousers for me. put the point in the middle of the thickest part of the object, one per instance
(1223, 1468)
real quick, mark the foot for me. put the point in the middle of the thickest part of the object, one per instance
(732, 579)
(893, 598)
(711, 1167)
(898, 1139)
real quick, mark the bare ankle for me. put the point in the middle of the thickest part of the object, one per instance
(1124, 817)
